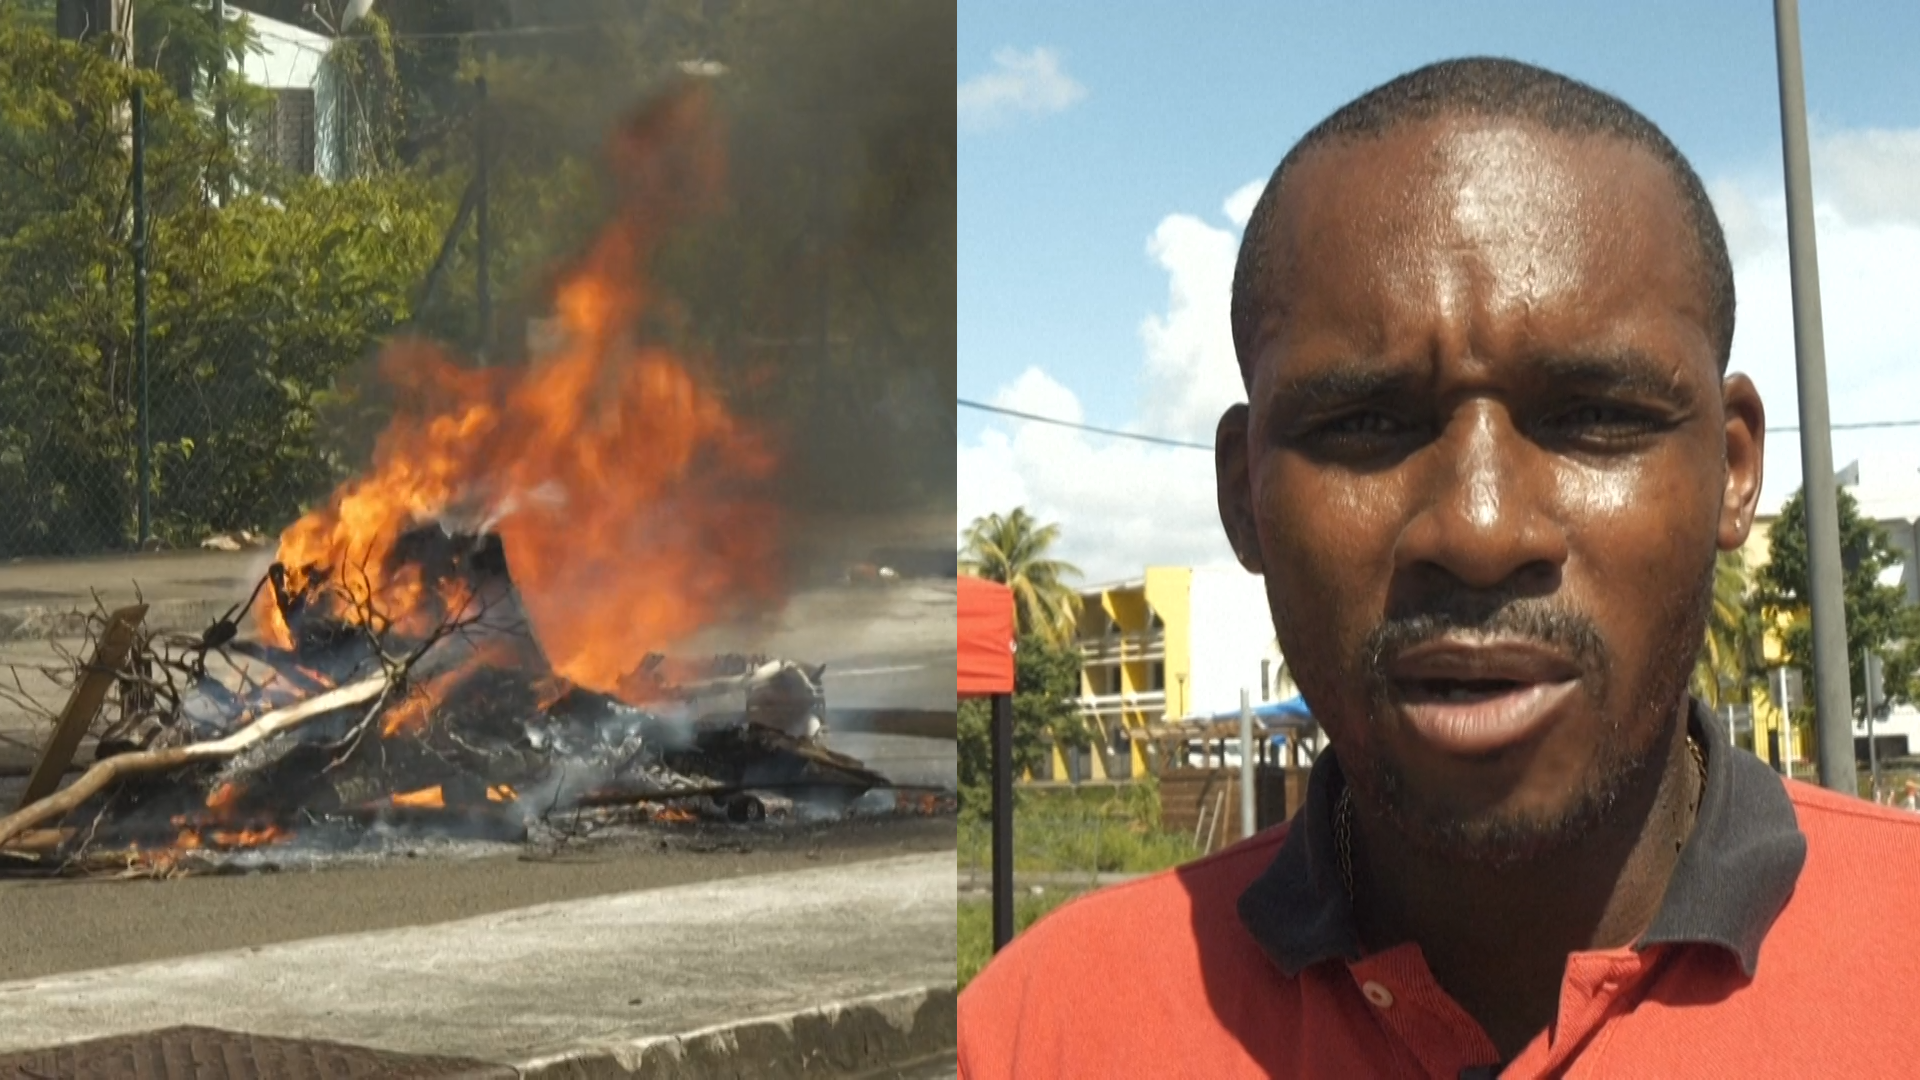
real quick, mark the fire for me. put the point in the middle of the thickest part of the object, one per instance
(426, 798)
(620, 485)
(410, 715)
(194, 839)
(222, 799)
(674, 814)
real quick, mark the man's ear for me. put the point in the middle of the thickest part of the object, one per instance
(1746, 436)
(1234, 486)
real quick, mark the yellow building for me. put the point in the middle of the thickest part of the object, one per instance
(1768, 720)
(1175, 642)
(1133, 638)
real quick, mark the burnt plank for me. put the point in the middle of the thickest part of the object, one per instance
(109, 653)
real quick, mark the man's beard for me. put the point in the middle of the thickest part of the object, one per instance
(1628, 756)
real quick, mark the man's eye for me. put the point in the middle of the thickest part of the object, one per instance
(1602, 421)
(1366, 423)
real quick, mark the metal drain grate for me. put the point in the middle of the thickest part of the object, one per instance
(197, 1053)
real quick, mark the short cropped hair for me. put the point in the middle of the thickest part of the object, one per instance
(1497, 89)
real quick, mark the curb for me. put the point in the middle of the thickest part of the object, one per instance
(846, 1037)
(40, 622)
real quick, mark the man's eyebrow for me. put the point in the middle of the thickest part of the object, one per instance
(1346, 385)
(1627, 371)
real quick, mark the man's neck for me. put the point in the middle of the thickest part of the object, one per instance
(1497, 939)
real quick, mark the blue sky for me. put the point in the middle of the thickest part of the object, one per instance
(1101, 143)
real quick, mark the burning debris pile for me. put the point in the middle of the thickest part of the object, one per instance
(474, 637)
(369, 728)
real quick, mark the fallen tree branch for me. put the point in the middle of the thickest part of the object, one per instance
(104, 773)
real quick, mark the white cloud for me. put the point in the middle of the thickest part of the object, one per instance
(1121, 505)
(1127, 505)
(1867, 234)
(1030, 82)
(1239, 205)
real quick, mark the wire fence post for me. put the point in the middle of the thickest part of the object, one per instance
(483, 288)
(140, 310)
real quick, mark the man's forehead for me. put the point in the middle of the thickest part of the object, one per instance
(1498, 215)
(1486, 175)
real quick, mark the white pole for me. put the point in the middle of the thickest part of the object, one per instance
(1247, 814)
(1869, 668)
(1786, 729)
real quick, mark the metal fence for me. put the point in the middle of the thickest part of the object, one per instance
(178, 363)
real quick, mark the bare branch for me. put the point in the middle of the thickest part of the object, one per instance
(104, 773)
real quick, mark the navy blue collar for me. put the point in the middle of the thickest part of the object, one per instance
(1734, 875)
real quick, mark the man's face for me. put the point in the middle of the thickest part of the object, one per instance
(1485, 465)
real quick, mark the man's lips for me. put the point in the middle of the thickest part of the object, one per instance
(1472, 697)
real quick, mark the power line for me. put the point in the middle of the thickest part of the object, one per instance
(1157, 440)
(1109, 432)
(1864, 425)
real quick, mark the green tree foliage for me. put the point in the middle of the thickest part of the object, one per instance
(820, 292)
(1878, 617)
(255, 306)
(1012, 549)
(1730, 657)
(1046, 683)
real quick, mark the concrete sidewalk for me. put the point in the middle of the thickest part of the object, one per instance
(805, 973)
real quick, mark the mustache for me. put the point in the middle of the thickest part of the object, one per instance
(1540, 621)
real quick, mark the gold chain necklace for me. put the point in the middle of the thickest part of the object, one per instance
(1343, 816)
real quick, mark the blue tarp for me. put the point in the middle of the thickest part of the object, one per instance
(1291, 713)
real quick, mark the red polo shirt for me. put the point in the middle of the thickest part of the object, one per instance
(1787, 945)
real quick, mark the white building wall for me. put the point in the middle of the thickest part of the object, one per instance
(1231, 633)
(1887, 487)
(288, 57)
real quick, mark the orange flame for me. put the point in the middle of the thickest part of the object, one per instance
(426, 798)
(192, 839)
(222, 799)
(410, 714)
(618, 484)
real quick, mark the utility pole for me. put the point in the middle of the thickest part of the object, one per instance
(483, 234)
(1833, 692)
(140, 311)
(218, 86)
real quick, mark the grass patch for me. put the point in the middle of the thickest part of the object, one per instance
(975, 924)
(1110, 830)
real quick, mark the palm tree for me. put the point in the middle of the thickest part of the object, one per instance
(1730, 654)
(1012, 550)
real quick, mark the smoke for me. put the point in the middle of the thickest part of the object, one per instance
(815, 293)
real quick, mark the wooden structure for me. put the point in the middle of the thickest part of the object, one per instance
(1203, 801)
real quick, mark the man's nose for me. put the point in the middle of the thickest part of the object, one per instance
(1483, 498)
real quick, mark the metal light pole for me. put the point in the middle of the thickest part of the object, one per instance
(1001, 746)
(1833, 700)
(1249, 816)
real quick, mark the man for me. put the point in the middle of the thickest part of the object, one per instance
(1489, 454)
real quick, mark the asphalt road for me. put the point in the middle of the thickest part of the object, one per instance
(60, 926)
